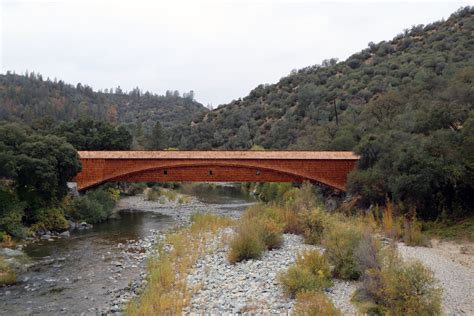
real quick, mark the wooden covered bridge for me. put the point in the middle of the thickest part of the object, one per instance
(326, 167)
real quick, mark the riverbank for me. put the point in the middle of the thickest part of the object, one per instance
(97, 271)
(212, 285)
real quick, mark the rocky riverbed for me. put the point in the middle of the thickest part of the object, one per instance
(251, 287)
(97, 271)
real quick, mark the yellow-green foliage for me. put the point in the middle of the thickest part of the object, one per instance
(314, 223)
(341, 240)
(260, 228)
(311, 272)
(297, 279)
(114, 193)
(316, 263)
(393, 287)
(247, 243)
(293, 222)
(410, 289)
(7, 275)
(167, 292)
(412, 235)
(271, 233)
(171, 195)
(50, 219)
(460, 229)
(310, 303)
(408, 230)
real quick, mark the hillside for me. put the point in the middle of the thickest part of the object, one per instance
(326, 106)
(406, 106)
(32, 100)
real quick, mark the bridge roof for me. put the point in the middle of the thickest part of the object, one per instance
(220, 154)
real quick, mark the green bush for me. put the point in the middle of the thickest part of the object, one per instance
(51, 219)
(317, 263)
(340, 242)
(410, 289)
(314, 223)
(297, 279)
(310, 303)
(271, 233)
(11, 213)
(247, 244)
(311, 272)
(93, 207)
(393, 287)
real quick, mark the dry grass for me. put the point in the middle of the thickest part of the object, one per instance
(167, 291)
(314, 304)
(7, 275)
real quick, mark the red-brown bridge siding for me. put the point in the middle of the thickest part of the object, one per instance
(329, 168)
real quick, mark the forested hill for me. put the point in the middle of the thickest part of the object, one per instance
(31, 99)
(408, 80)
(406, 106)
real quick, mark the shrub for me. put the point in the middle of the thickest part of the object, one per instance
(7, 275)
(51, 219)
(311, 272)
(314, 304)
(314, 223)
(293, 223)
(93, 207)
(153, 194)
(271, 233)
(247, 244)
(412, 235)
(315, 262)
(367, 253)
(410, 289)
(297, 279)
(135, 188)
(340, 242)
(304, 199)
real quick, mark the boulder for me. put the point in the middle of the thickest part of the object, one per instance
(65, 234)
(7, 252)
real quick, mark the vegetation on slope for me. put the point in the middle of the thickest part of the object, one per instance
(405, 105)
(44, 104)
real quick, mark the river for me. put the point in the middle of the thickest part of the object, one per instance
(85, 273)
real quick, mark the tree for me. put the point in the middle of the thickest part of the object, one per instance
(157, 138)
(95, 135)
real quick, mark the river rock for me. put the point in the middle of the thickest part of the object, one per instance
(65, 234)
(84, 225)
(7, 252)
(45, 237)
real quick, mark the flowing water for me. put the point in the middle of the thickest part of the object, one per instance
(77, 275)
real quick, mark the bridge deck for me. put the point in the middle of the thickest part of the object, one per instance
(216, 154)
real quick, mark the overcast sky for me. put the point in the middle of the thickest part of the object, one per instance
(219, 49)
